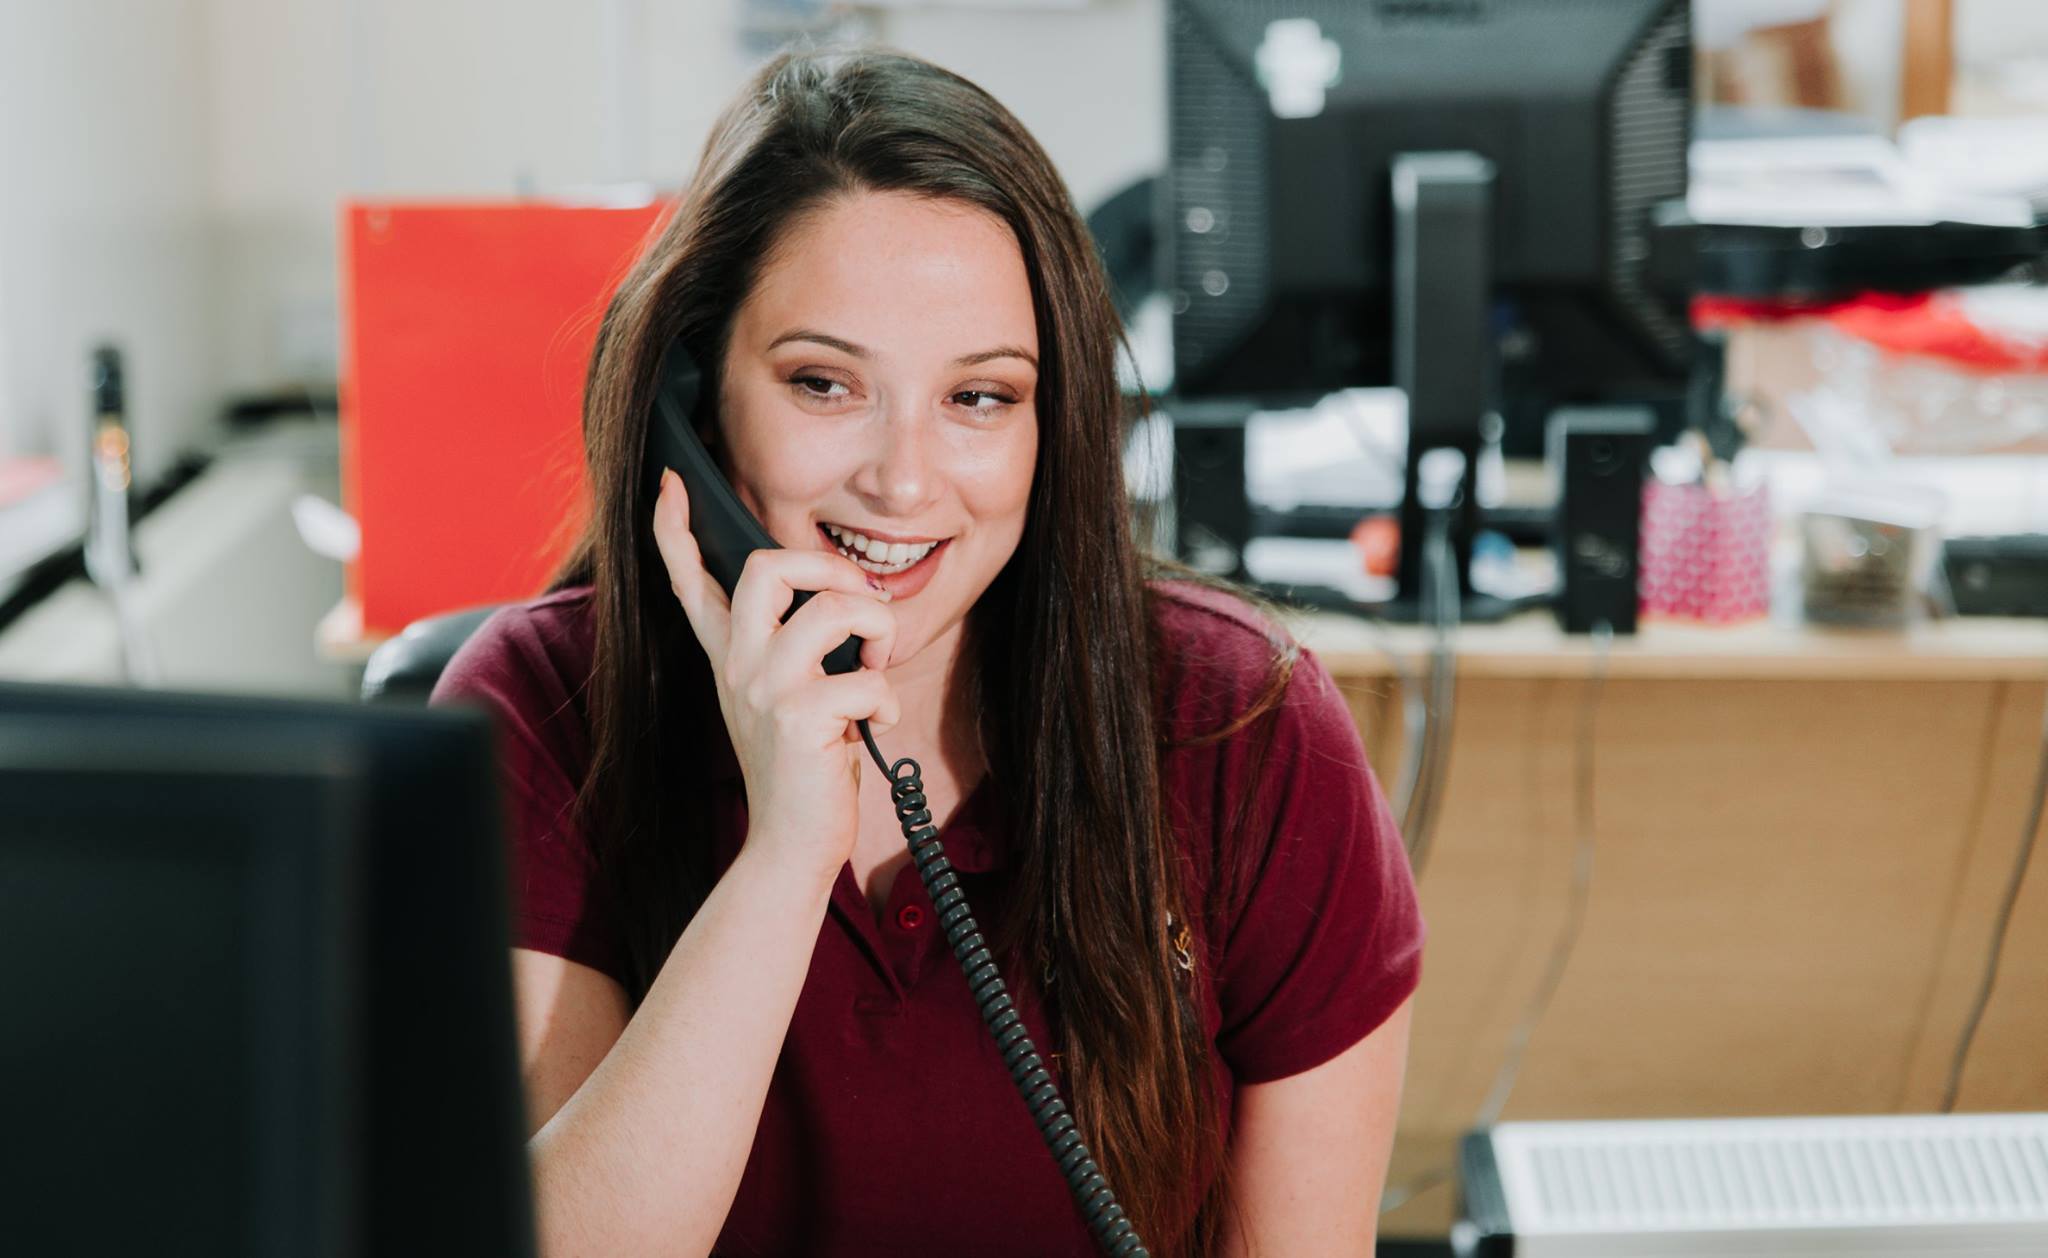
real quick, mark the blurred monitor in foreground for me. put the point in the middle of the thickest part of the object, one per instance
(257, 982)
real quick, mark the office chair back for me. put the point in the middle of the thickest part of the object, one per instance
(405, 669)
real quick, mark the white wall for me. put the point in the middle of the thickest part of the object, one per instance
(337, 98)
(1869, 40)
(1996, 30)
(486, 98)
(277, 109)
(104, 233)
(172, 168)
(1089, 82)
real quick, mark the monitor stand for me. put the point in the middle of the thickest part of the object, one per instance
(1443, 363)
(1443, 357)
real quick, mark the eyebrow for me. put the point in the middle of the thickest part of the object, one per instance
(848, 347)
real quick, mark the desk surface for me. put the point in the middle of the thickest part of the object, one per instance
(1532, 645)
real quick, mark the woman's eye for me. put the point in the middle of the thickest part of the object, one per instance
(803, 385)
(983, 395)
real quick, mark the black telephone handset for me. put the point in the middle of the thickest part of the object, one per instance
(725, 530)
(726, 534)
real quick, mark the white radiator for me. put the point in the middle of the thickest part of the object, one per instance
(1936, 1186)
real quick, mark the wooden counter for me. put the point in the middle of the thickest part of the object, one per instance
(1799, 839)
(1531, 645)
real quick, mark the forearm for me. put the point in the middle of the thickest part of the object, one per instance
(645, 1158)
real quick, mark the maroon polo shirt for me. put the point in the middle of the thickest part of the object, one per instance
(890, 1126)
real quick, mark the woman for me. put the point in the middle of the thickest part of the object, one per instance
(740, 1031)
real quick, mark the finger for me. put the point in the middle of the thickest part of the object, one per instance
(797, 649)
(771, 578)
(703, 599)
(875, 652)
(883, 720)
(859, 696)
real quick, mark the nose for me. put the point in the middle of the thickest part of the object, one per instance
(900, 477)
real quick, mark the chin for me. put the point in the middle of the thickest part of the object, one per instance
(917, 638)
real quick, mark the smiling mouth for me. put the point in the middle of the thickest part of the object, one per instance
(875, 556)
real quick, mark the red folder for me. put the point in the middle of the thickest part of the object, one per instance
(466, 333)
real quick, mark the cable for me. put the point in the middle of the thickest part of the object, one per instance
(1414, 728)
(1112, 1230)
(1419, 724)
(109, 543)
(1414, 818)
(1969, 834)
(1440, 607)
(109, 564)
(1443, 666)
(1582, 888)
(2021, 861)
(1560, 959)
(138, 654)
(1405, 1193)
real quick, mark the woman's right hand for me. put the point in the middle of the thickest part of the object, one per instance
(791, 724)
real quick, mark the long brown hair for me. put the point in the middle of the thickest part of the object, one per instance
(1060, 645)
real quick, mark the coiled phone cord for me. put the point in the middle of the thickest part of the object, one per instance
(1106, 1219)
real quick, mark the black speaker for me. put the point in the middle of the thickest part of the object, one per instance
(1597, 458)
(1212, 518)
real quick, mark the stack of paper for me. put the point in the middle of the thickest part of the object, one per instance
(1992, 158)
(1959, 171)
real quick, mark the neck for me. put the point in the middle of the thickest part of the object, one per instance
(932, 689)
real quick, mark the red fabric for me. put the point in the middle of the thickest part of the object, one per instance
(891, 1126)
(1719, 312)
(1937, 326)
(1926, 325)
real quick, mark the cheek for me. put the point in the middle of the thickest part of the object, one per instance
(770, 467)
(781, 492)
(1007, 481)
(995, 485)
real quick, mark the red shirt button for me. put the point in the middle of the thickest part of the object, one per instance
(910, 917)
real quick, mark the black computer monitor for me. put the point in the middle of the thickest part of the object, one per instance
(1551, 128)
(257, 979)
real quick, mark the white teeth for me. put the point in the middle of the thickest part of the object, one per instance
(876, 556)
